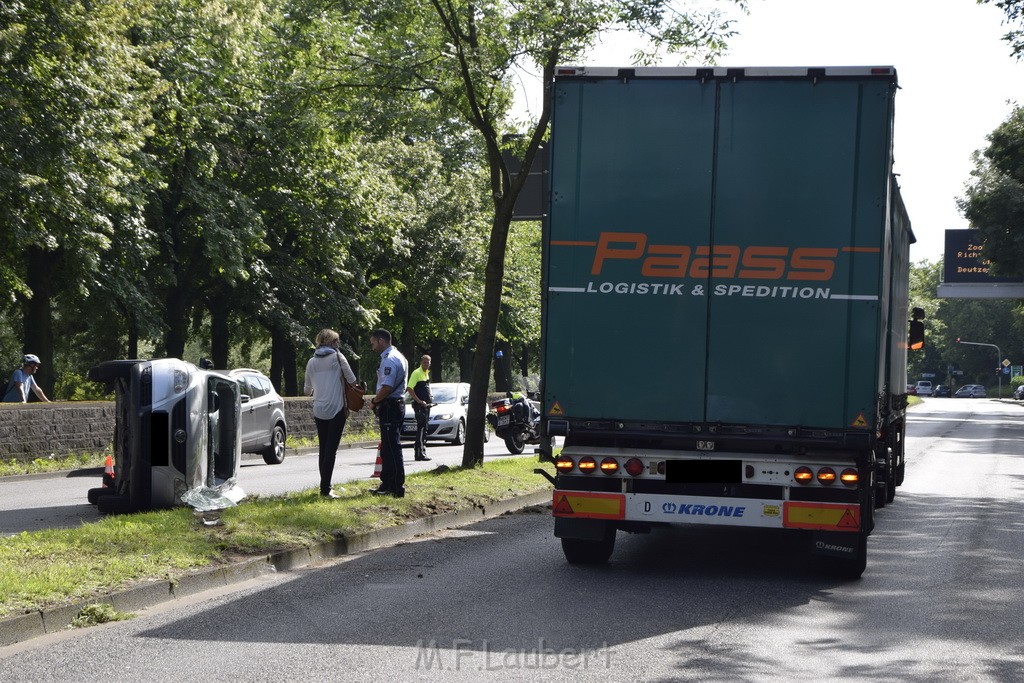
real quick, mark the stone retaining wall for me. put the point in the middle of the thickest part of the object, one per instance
(39, 430)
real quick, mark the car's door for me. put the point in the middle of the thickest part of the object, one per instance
(258, 411)
(273, 402)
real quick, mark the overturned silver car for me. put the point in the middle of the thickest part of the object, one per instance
(176, 438)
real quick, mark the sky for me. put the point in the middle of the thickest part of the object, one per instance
(955, 73)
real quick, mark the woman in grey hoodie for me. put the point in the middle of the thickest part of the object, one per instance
(324, 372)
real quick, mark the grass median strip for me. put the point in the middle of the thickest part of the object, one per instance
(59, 566)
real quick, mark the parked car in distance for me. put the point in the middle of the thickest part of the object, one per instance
(1018, 393)
(942, 391)
(264, 427)
(447, 417)
(911, 390)
(970, 391)
(924, 388)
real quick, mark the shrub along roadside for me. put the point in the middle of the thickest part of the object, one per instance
(45, 568)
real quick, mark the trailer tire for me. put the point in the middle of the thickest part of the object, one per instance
(890, 485)
(901, 472)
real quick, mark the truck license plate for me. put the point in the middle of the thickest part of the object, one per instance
(503, 420)
(703, 471)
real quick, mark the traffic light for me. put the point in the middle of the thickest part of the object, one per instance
(915, 337)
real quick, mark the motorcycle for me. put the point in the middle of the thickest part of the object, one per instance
(515, 419)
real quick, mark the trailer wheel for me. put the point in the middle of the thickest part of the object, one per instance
(901, 472)
(587, 551)
(890, 485)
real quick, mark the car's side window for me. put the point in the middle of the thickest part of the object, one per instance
(243, 386)
(254, 386)
(265, 384)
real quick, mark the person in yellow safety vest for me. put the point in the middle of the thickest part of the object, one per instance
(419, 390)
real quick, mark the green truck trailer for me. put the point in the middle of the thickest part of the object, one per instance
(725, 285)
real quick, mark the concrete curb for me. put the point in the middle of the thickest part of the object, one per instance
(140, 596)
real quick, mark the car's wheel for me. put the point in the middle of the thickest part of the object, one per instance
(115, 504)
(92, 495)
(274, 454)
(460, 434)
(515, 443)
(586, 551)
(110, 370)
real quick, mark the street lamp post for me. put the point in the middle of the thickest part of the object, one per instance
(999, 360)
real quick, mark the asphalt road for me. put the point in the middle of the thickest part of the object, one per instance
(33, 502)
(940, 601)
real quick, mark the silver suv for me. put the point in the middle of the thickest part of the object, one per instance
(264, 428)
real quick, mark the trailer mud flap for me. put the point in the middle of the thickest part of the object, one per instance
(836, 544)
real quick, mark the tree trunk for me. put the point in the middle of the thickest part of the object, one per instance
(503, 367)
(220, 330)
(277, 343)
(37, 314)
(466, 360)
(291, 382)
(436, 360)
(494, 274)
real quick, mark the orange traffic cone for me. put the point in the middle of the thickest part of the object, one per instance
(378, 464)
(108, 473)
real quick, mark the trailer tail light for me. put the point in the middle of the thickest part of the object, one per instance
(609, 465)
(827, 476)
(849, 476)
(564, 463)
(804, 475)
(634, 467)
(587, 464)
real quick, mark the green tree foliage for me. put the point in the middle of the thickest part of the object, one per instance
(1014, 11)
(462, 56)
(75, 94)
(986, 321)
(994, 199)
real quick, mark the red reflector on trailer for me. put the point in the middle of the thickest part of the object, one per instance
(634, 467)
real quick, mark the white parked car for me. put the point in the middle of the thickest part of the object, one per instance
(924, 388)
(447, 416)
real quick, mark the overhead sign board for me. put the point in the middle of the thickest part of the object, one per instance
(963, 261)
(965, 271)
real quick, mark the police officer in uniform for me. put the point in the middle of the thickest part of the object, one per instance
(390, 408)
(419, 390)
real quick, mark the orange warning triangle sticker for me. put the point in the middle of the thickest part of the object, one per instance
(860, 421)
(556, 409)
(563, 506)
(848, 520)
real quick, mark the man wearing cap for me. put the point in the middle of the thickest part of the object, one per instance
(22, 382)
